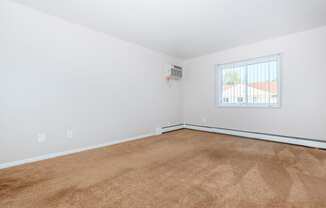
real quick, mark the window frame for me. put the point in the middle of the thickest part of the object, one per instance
(219, 81)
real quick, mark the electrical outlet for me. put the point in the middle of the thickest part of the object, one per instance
(41, 137)
(69, 133)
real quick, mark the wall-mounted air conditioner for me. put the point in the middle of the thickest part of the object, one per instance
(173, 72)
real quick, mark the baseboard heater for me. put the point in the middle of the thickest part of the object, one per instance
(315, 143)
(262, 136)
(170, 128)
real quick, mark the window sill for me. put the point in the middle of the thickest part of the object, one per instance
(248, 106)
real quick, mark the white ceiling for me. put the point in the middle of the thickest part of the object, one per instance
(189, 28)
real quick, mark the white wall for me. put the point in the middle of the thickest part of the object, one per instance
(55, 76)
(303, 107)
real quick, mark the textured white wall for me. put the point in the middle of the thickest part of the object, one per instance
(55, 76)
(303, 76)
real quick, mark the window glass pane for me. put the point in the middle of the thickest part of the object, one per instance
(253, 82)
(273, 90)
(258, 83)
(234, 85)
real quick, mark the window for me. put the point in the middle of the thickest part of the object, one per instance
(254, 82)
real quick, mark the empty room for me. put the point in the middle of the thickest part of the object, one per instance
(162, 104)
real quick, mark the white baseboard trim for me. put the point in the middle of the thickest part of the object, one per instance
(68, 152)
(172, 128)
(261, 136)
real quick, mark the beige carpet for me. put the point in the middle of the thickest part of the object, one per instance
(179, 169)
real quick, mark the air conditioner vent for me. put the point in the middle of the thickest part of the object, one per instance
(173, 72)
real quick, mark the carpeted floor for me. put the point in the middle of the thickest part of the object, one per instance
(180, 169)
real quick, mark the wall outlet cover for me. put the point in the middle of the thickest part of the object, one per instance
(69, 133)
(41, 137)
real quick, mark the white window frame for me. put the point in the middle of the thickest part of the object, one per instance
(219, 81)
